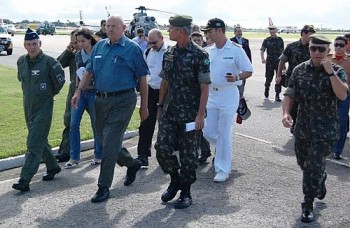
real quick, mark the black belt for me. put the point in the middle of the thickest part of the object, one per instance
(112, 94)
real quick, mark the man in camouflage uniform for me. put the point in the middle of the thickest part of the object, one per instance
(273, 45)
(41, 77)
(295, 53)
(316, 85)
(182, 99)
(67, 59)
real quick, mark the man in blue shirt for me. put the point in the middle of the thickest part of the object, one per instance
(116, 64)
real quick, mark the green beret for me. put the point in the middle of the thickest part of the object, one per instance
(319, 39)
(180, 20)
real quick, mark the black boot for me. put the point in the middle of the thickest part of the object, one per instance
(21, 185)
(203, 157)
(266, 93)
(173, 188)
(307, 212)
(277, 98)
(185, 199)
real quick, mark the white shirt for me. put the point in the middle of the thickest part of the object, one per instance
(231, 58)
(154, 61)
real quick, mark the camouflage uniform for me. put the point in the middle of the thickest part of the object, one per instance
(316, 126)
(274, 47)
(295, 53)
(184, 69)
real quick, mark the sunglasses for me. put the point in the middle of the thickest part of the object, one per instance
(320, 49)
(153, 43)
(339, 45)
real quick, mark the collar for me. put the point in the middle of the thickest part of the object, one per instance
(121, 41)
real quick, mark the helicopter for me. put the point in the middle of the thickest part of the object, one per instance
(142, 20)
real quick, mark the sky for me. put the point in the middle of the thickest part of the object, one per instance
(248, 13)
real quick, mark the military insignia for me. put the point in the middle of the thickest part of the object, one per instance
(42, 86)
(35, 72)
(60, 78)
(206, 61)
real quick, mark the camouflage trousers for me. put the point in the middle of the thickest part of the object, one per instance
(271, 67)
(311, 158)
(171, 137)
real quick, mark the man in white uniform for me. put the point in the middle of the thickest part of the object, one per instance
(154, 59)
(229, 65)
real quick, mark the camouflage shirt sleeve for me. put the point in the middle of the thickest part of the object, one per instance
(204, 69)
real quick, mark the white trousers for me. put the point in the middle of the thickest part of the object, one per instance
(221, 113)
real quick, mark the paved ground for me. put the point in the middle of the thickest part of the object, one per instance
(264, 189)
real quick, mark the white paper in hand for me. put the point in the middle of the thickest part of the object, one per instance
(192, 125)
(80, 72)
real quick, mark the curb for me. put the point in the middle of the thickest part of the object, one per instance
(13, 162)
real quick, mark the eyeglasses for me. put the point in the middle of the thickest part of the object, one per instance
(153, 43)
(319, 48)
(339, 45)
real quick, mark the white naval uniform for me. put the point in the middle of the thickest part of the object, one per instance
(223, 100)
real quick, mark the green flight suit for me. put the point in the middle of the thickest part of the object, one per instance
(67, 59)
(41, 79)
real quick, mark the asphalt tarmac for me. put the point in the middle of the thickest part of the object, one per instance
(264, 188)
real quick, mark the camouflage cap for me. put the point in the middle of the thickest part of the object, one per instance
(180, 20)
(319, 39)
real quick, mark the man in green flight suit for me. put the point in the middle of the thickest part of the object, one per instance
(41, 77)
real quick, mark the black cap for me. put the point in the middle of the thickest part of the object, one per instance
(31, 35)
(214, 23)
(180, 20)
(319, 39)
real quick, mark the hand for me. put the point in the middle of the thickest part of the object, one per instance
(287, 121)
(75, 99)
(278, 79)
(159, 112)
(199, 121)
(143, 113)
(231, 78)
(327, 65)
(70, 48)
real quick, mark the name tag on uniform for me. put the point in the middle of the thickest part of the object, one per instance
(98, 56)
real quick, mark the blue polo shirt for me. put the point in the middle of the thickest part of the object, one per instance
(116, 66)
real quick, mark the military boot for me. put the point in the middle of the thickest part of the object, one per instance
(266, 93)
(307, 212)
(21, 185)
(185, 199)
(173, 188)
(277, 97)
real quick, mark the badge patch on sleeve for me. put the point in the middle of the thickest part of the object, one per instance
(42, 86)
(60, 78)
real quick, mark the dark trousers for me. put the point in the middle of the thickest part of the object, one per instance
(146, 128)
(112, 118)
(65, 143)
(271, 67)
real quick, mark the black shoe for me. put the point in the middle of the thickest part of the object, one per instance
(21, 185)
(278, 99)
(266, 93)
(203, 157)
(184, 201)
(336, 156)
(101, 195)
(62, 157)
(307, 213)
(50, 174)
(323, 188)
(171, 192)
(131, 172)
(143, 160)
